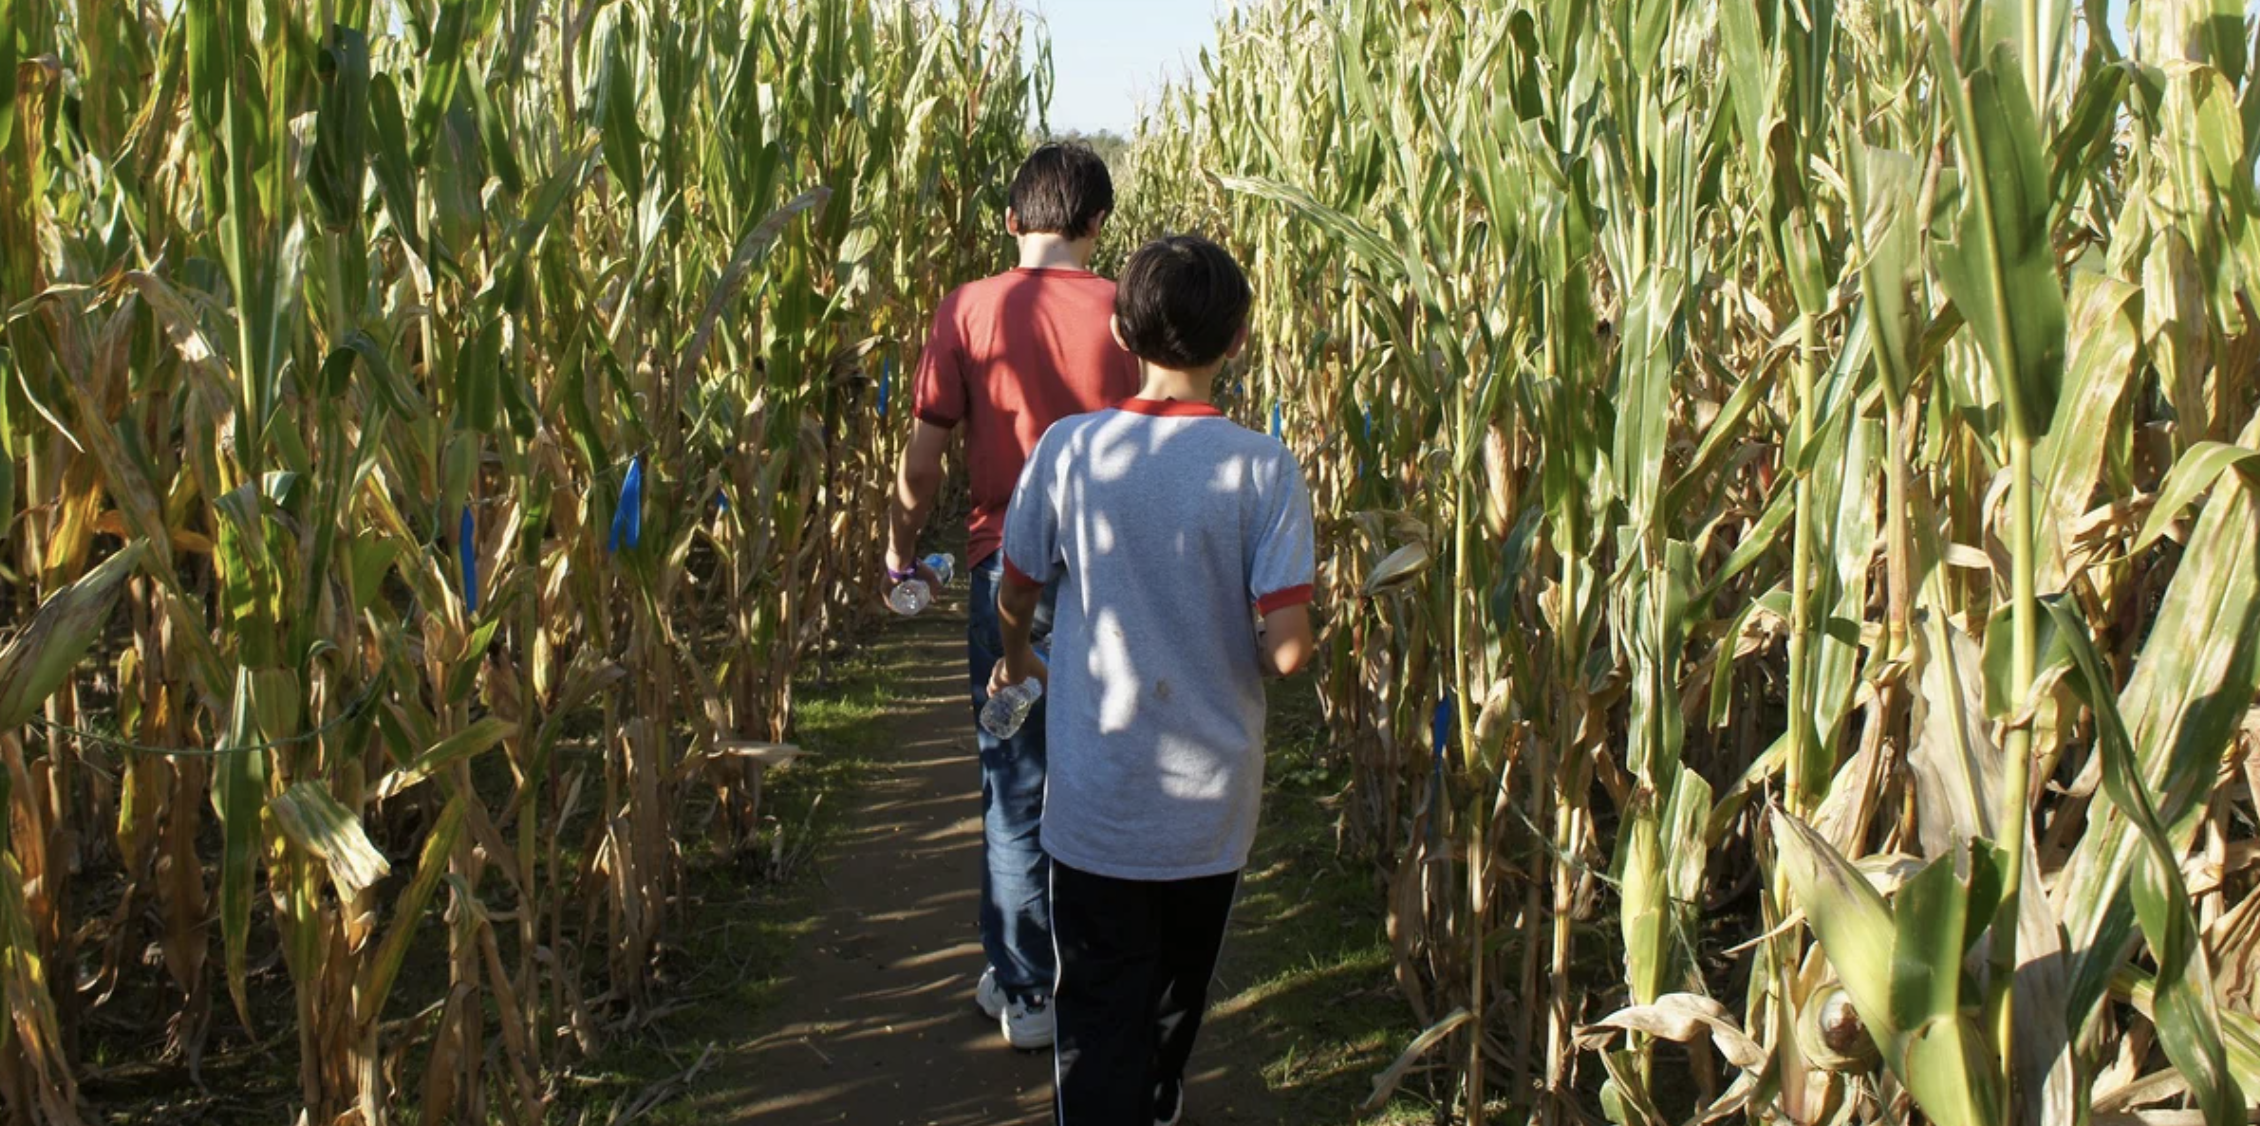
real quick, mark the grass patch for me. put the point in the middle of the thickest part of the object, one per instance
(1308, 979)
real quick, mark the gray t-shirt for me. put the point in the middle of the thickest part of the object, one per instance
(1173, 525)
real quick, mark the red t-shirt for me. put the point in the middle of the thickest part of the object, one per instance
(1009, 356)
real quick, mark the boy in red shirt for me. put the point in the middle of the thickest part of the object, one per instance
(1007, 357)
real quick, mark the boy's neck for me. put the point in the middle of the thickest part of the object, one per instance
(1047, 251)
(1183, 386)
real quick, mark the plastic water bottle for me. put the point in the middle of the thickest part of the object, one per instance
(1007, 710)
(912, 595)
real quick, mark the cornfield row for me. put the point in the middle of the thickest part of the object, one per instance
(1791, 514)
(479, 409)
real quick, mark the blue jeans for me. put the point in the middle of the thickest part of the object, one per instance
(1016, 910)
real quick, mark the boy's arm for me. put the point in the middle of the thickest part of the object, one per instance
(938, 403)
(1286, 640)
(916, 483)
(1280, 579)
(1016, 613)
(1031, 559)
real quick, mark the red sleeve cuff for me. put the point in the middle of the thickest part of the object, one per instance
(932, 417)
(1018, 577)
(1280, 599)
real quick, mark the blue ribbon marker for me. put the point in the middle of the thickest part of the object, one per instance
(886, 383)
(467, 545)
(1276, 428)
(1441, 733)
(721, 501)
(627, 519)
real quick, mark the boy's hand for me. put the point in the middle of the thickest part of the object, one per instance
(1010, 671)
(916, 568)
(1284, 641)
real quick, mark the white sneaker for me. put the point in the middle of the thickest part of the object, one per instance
(1027, 1024)
(989, 996)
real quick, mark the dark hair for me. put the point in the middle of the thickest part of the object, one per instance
(1062, 189)
(1181, 300)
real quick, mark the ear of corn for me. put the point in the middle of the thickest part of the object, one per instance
(365, 334)
(1833, 371)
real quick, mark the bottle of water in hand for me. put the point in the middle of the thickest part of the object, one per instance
(912, 595)
(1007, 710)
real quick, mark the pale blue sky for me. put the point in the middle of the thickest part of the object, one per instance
(1108, 54)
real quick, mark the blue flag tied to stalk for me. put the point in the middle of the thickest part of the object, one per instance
(1436, 774)
(1275, 426)
(467, 544)
(627, 519)
(1441, 733)
(886, 383)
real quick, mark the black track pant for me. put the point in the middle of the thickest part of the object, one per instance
(1135, 958)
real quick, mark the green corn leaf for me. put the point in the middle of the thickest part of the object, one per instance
(752, 249)
(2188, 1028)
(8, 146)
(309, 817)
(463, 677)
(1652, 323)
(458, 183)
(2192, 476)
(395, 171)
(466, 744)
(2001, 267)
(1850, 918)
(616, 99)
(2088, 137)
(462, 23)
(2106, 330)
(41, 658)
(555, 193)
(379, 973)
(7, 441)
(478, 376)
(128, 480)
(1792, 227)
(494, 133)
(341, 130)
(239, 793)
(2182, 706)
(1891, 266)
(1901, 966)
(31, 999)
(1372, 248)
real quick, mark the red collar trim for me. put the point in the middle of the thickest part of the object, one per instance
(1170, 408)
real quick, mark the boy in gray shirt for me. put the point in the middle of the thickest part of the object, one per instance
(1171, 530)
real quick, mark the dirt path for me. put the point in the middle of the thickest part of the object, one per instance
(874, 1023)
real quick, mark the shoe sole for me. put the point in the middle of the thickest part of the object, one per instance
(1034, 1043)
